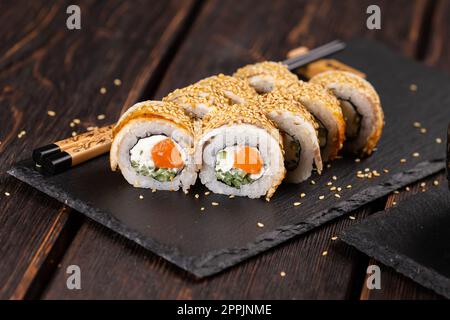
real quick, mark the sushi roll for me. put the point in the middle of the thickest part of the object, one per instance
(299, 133)
(268, 76)
(325, 109)
(361, 107)
(153, 145)
(240, 152)
(265, 76)
(212, 92)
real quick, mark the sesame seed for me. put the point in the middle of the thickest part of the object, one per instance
(334, 178)
(185, 191)
(321, 197)
(366, 169)
(74, 133)
(394, 203)
(339, 189)
(141, 196)
(385, 170)
(91, 128)
(21, 134)
(302, 195)
(231, 196)
(438, 140)
(296, 204)
(413, 87)
(423, 130)
(351, 217)
(101, 117)
(202, 209)
(329, 165)
(423, 185)
(51, 113)
(77, 121)
(334, 238)
(357, 160)
(416, 155)
(7, 194)
(407, 188)
(214, 203)
(283, 274)
(332, 188)
(324, 253)
(423, 190)
(402, 160)
(102, 90)
(349, 186)
(117, 82)
(313, 182)
(197, 196)
(329, 183)
(396, 192)
(417, 124)
(154, 190)
(337, 195)
(261, 225)
(207, 193)
(72, 124)
(435, 182)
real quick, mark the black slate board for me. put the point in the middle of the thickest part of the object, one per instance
(172, 225)
(413, 238)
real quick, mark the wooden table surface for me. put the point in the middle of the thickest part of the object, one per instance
(154, 47)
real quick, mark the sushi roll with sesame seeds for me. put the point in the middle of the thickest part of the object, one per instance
(299, 133)
(265, 76)
(212, 92)
(153, 144)
(361, 107)
(240, 152)
(268, 76)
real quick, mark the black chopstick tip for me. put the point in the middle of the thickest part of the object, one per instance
(45, 151)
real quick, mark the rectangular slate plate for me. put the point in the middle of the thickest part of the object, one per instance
(205, 242)
(413, 238)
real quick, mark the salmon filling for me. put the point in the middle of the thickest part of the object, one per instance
(158, 157)
(239, 165)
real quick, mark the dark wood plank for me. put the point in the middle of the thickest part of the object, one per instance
(224, 37)
(44, 66)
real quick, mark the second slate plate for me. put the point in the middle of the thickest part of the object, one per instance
(413, 238)
(172, 225)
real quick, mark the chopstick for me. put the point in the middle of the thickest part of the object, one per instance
(314, 54)
(62, 155)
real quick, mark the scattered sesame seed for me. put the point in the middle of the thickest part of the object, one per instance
(321, 197)
(423, 130)
(337, 195)
(261, 225)
(7, 194)
(77, 121)
(438, 140)
(214, 203)
(423, 190)
(51, 113)
(417, 124)
(351, 217)
(324, 253)
(349, 186)
(141, 196)
(283, 274)
(197, 196)
(329, 183)
(296, 204)
(207, 193)
(423, 185)
(329, 165)
(357, 160)
(394, 203)
(407, 188)
(72, 124)
(231, 196)
(435, 182)
(117, 82)
(154, 190)
(413, 87)
(334, 238)
(334, 178)
(91, 128)
(302, 195)
(333, 188)
(339, 189)
(185, 191)
(396, 192)
(21, 134)
(102, 90)
(402, 160)
(416, 154)
(313, 182)
(38, 165)
(101, 117)
(202, 209)
(74, 133)
(366, 169)
(385, 170)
